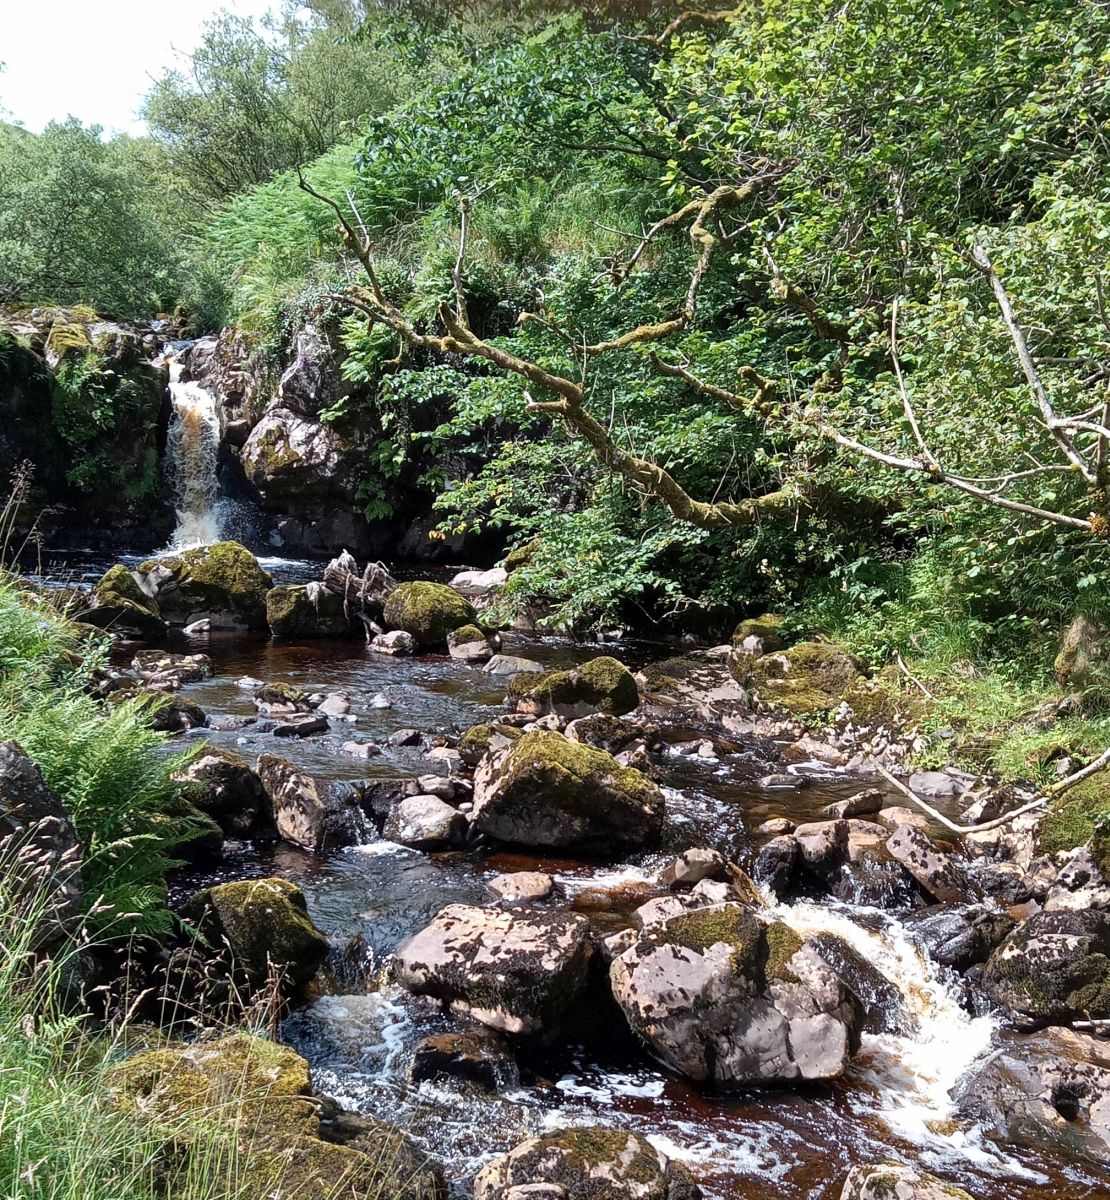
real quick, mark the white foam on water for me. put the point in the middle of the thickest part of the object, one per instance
(909, 1077)
(603, 878)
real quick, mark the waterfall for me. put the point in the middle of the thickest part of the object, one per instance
(194, 443)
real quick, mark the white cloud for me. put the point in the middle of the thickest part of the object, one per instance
(96, 59)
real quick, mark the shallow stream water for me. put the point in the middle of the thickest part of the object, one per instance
(359, 1030)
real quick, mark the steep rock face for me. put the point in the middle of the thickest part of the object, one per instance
(543, 790)
(42, 855)
(81, 400)
(584, 1164)
(518, 972)
(721, 996)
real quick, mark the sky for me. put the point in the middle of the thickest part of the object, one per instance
(96, 59)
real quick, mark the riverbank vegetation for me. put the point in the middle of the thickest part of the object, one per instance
(788, 308)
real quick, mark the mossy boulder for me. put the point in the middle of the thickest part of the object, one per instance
(308, 610)
(428, 612)
(588, 1163)
(767, 629)
(120, 605)
(249, 1101)
(521, 556)
(601, 685)
(469, 643)
(1053, 969)
(264, 926)
(478, 740)
(810, 677)
(1100, 848)
(223, 581)
(226, 788)
(721, 996)
(545, 790)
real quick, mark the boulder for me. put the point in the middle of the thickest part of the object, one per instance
(601, 685)
(468, 643)
(1053, 968)
(480, 583)
(313, 380)
(247, 1101)
(524, 886)
(479, 1056)
(1080, 883)
(863, 804)
(692, 866)
(591, 1163)
(939, 874)
(511, 664)
(395, 643)
(543, 790)
(894, 1181)
(120, 605)
(810, 677)
(40, 850)
(776, 865)
(608, 733)
(162, 669)
(1047, 1091)
(425, 823)
(428, 612)
(176, 714)
(301, 725)
(478, 740)
(308, 610)
(222, 582)
(959, 937)
(296, 460)
(767, 629)
(515, 970)
(719, 996)
(316, 814)
(279, 699)
(224, 786)
(263, 926)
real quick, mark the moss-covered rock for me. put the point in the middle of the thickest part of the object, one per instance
(264, 925)
(895, 1181)
(120, 605)
(428, 612)
(226, 788)
(469, 643)
(478, 740)
(1054, 968)
(591, 1163)
(1100, 848)
(223, 581)
(601, 685)
(810, 677)
(544, 790)
(767, 628)
(300, 610)
(521, 556)
(250, 1101)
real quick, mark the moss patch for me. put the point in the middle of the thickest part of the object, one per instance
(1071, 820)
(782, 944)
(811, 677)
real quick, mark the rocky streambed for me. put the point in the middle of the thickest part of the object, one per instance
(623, 933)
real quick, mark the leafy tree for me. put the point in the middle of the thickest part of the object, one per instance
(77, 225)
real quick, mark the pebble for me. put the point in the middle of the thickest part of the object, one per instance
(776, 826)
(335, 705)
(380, 701)
(301, 725)
(404, 737)
(249, 684)
(521, 885)
(784, 781)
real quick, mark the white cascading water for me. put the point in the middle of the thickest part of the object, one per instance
(193, 445)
